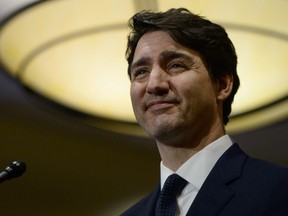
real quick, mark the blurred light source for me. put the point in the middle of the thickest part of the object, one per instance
(72, 52)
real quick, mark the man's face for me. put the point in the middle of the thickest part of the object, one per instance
(171, 91)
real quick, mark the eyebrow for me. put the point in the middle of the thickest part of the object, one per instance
(168, 55)
(141, 62)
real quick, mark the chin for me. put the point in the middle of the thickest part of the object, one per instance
(163, 132)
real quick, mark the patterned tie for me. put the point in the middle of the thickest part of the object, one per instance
(166, 204)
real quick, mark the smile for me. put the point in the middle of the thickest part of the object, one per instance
(157, 105)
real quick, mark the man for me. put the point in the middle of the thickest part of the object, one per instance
(183, 80)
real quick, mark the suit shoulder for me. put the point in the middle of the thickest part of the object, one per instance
(144, 206)
(266, 174)
(251, 165)
(261, 166)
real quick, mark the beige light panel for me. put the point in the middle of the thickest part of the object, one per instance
(73, 53)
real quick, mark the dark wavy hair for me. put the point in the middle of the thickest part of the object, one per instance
(194, 32)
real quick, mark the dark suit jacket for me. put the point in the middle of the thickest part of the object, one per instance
(236, 186)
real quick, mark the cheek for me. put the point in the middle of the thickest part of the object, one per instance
(187, 86)
(196, 90)
(135, 95)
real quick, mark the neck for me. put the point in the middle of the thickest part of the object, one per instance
(175, 155)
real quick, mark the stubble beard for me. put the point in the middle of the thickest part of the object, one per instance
(166, 130)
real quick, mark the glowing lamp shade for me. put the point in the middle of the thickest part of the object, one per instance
(73, 52)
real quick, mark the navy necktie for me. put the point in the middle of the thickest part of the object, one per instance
(167, 201)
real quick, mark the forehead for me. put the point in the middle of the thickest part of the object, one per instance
(155, 38)
(159, 44)
(153, 43)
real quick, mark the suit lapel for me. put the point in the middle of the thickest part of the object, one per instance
(149, 205)
(215, 192)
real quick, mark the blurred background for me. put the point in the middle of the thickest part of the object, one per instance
(65, 109)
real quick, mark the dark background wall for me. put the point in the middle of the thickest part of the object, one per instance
(76, 169)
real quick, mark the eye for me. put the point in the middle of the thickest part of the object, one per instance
(139, 73)
(176, 67)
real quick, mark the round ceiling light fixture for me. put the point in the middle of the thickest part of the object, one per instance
(73, 53)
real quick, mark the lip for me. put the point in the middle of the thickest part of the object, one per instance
(162, 104)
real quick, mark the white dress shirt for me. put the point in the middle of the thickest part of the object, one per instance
(195, 171)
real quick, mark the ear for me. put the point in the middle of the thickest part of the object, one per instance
(224, 86)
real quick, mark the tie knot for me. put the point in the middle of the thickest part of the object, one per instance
(173, 186)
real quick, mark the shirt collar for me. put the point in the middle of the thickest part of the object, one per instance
(196, 169)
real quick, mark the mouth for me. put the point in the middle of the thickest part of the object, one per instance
(161, 104)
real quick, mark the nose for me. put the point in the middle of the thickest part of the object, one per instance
(158, 83)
